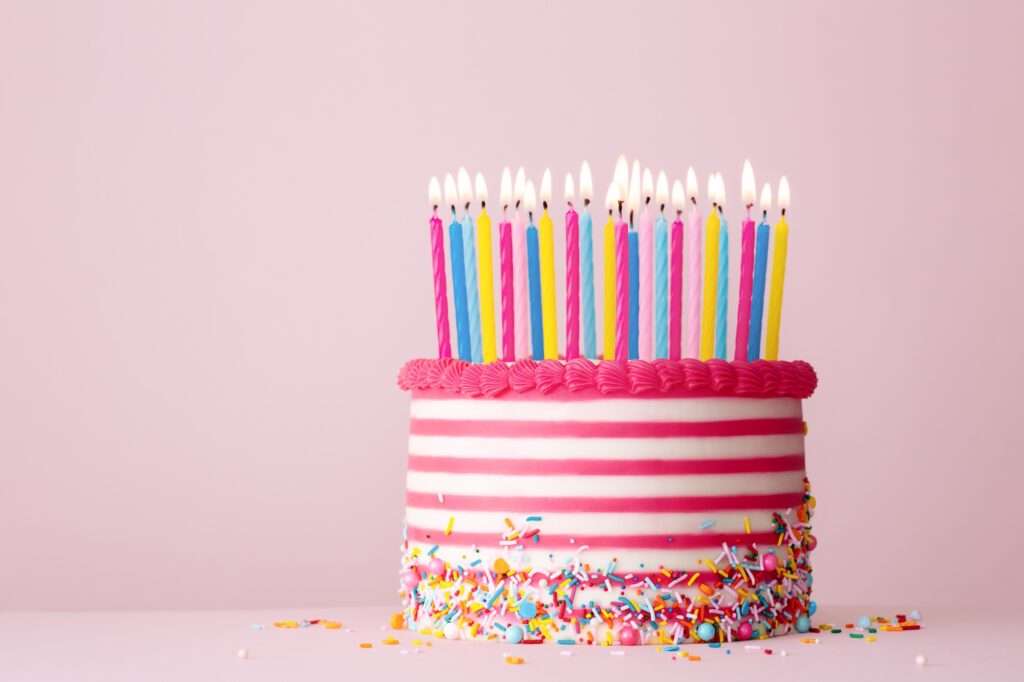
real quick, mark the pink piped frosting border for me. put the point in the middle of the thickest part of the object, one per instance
(758, 379)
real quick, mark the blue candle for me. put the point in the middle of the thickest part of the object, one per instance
(587, 281)
(722, 299)
(459, 288)
(661, 287)
(533, 271)
(472, 290)
(634, 295)
(757, 297)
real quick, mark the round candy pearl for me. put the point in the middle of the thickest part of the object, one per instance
(771, 562)
(527, 609)
(514, 634)
(745, 630)
(864, 622)
(706, 631)
(812, 542)
(812, 608)
(436, 566)
(410, 579)
(451, 631)
(243, 653)
(920, 659)
(629, 636)
(803, 624)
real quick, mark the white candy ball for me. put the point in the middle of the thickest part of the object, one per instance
(920, 659)
(451, 631)
(243, 653)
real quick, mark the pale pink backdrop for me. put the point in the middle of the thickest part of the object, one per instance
(213, 260)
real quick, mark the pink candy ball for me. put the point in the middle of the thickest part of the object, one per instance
(436, 566)
(410, 579)
(629, 636)
(744, 630)
(771, 562)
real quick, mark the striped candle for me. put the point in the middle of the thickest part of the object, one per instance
(722, 297)
(610, 288)
(661, 277)
(520, 275)
(508, 322)
(444, 346)
(634, 295)
(572, 283)
(760, 276)
(771, 340)
(691, 272)
(621, 291)
(707, 313)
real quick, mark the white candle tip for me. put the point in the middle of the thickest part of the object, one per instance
(661, 192)
(713, 188)
(692, 190)
(678, 196)
(505, 192)
(480, 188)
(721, 190)
(570, 188)
(545, 186)
(766, 197)
(586, 182)
(611, 199)
(451, 194)
(621, 175)
(465, 187)
(748, 187)
(783, 193)
(434, 191)
(520, 185)
(530, 197)
(648, 184)
(635, 191)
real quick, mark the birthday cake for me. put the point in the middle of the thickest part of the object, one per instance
(614, 501)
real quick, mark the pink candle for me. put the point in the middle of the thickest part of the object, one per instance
(444, 345)
(572, 284)
(693, 270)
(746, 286)
(645, 235)
(521, 301)
(675, 306)
(508, 344)
(621, 291)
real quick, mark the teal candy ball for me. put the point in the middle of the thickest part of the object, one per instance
(812, 608)
(803, 624)
(706, 631)
(514, 634)
(527, 609)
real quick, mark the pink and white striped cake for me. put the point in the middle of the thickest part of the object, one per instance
(607, 503)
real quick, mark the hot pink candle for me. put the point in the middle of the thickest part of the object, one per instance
(675, 290)
(508, 324)
(444, 344)
(621, 291)
(521, 301)
(572, 284)
(746, 287)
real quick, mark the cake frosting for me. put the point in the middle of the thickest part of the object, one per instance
(607, 503)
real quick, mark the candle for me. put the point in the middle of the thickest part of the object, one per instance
(587, 263)
(748, 189)
(572, 273)
(771, 341)
(646, 264)
(472, 287)
(722, 298)
(485, 260)
(508, 323)
(444, 346)
(610, 273)
(676, 286)
(547, 271)
(521, 299)
(621, 290)
(458, 259)
(533, 258)
(692, 272)
(634, 295)
(711, 251)
(760, 272)
(661, 270)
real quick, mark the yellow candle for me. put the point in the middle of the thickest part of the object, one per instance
(711, 248)
(485, 263)
(780, 244)
(547, 272)
(609, 289)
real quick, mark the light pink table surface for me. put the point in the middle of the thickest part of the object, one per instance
(203, 645)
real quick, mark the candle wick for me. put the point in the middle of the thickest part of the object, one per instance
(662, 209)
(783, 212)
(764, 215)
(586, 202)
(545, 204)
(517, 204)
(620, 209)
(483, 205)
(647, 201)
(693, 200)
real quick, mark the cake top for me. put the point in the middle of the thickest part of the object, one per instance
(669, 378)
(650, 284)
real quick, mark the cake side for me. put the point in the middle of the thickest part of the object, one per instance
(676, 510)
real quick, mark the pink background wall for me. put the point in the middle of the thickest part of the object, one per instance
(213, 260)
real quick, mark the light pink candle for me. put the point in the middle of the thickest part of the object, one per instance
(444, 344)
(746, 287)
(621, 291)
(508, 324)
(572, 284)
(645, 237)
(521, 300)
(675, 290)
(692, 273)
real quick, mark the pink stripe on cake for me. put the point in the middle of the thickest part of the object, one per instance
(527, 505)
(571, 429)
(547, 541)
(603, 467)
